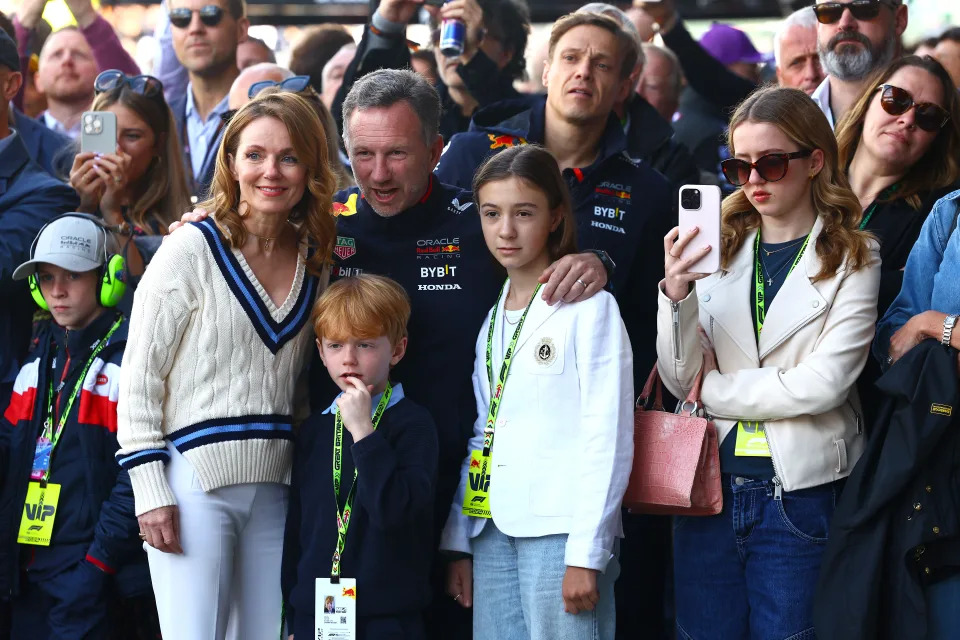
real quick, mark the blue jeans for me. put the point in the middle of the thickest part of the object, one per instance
(751, 571)
(517, 591)
(943, 609)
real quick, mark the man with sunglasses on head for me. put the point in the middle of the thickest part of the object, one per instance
(205, 37)
(70, 60)
(854, 39)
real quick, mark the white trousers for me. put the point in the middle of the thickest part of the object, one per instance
(226, 584)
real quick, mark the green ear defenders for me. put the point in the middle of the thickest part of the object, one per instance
(112, 272)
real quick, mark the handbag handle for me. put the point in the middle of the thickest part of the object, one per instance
(693, 398)
(652, 380)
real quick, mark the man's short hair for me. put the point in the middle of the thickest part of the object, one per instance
(6, 24)
(315, 48)
(952, 34)
(237, 8)
(629, 47)
(622, 18)
(364, 307)
(804, 18)
(676, 71)
(272, 56)
(385, 88)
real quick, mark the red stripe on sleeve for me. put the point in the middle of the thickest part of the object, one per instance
(21, 406)
(100, 565)
(97, 410)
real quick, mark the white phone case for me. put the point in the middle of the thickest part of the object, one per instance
(707, 218)
(98, 132)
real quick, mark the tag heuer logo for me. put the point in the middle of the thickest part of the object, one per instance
(345, 248)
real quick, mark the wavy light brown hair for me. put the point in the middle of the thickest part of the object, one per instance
(534, 165)
(311, 217)
(801, 120)
(163, 194)
(940, 165)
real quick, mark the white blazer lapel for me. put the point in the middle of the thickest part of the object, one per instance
(725, 299)
(798, 301)
(539, 312)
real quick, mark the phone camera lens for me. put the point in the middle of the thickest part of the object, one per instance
(690, 199)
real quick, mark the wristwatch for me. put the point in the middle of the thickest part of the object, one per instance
(608, 264)
(948, 324)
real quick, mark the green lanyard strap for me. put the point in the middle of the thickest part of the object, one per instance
(886, 193)
(48, 422)
(497, 394)
(343, 518)
(758, 276)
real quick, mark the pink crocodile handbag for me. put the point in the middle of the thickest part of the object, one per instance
(676, 457)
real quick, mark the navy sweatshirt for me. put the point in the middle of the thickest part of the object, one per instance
(389, 544)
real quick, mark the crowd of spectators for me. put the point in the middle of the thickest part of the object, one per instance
(188, 346)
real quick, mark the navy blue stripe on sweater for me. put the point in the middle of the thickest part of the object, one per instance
(273, 334)
(265, 427)
(143, 457)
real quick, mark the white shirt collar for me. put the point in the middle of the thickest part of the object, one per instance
(822, 97)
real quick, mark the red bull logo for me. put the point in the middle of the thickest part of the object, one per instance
(349, 592)
(474, 464)
(623, 195)
(347, 208)
(504, 142)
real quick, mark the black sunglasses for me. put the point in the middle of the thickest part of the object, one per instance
(210, 15)
(928, 116)
(771, 167)
(296, 84)
(147, 86)
(830, 12)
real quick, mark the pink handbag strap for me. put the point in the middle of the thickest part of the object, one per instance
(687, 408)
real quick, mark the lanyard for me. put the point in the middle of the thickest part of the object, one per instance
(343, 518)
(886, 193)
(48, 422)
(496, 395)
(758, 277)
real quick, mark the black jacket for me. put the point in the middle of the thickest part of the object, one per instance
(897, 524)
(701, 127)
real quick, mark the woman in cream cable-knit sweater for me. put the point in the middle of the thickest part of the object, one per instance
(218, 336)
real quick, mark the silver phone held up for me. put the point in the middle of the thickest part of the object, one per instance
(98, 132)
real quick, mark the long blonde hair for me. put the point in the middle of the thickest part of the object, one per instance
(801, 120)
(165, 195)
(940, 165)
(311, 217)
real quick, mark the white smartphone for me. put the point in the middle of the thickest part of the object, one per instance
(98, 132)
(700, 207)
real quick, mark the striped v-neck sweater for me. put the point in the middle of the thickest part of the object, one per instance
(210, 367)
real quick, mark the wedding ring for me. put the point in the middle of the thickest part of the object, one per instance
(584, 284)
(457, 597)
(143, 536)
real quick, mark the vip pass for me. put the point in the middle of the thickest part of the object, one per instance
(476, 500)
(40, 507)
(343, 518)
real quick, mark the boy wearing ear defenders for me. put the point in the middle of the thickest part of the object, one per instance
(69, 542)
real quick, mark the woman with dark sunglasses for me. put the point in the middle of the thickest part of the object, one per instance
(138, 186)
(778, 337)
(900, 145)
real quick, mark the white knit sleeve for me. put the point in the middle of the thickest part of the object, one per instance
(163, 307)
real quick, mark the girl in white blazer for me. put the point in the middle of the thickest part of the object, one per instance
(559, 429)
(780, 334)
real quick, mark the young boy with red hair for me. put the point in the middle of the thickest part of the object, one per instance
(383, 449)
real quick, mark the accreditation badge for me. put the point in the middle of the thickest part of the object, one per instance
(39, 510)
(336, 609)
(476, 501)
(751, 440)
